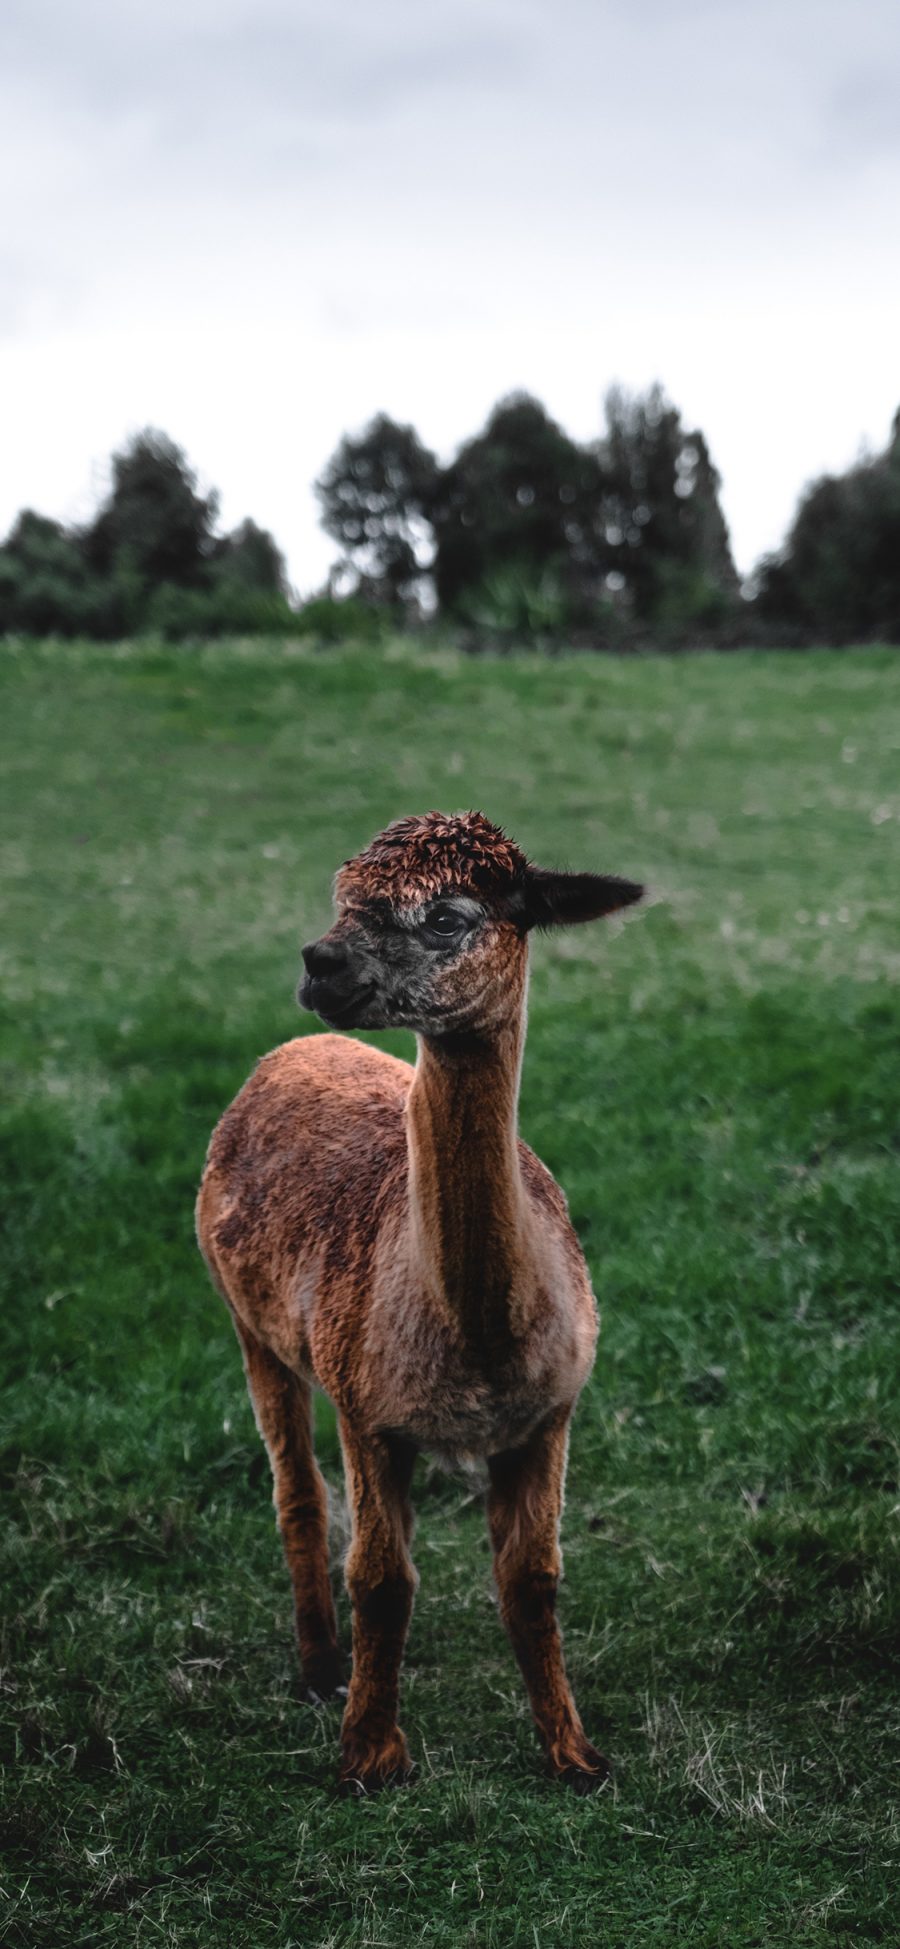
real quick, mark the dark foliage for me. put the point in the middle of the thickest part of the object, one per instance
(838, 576)
(376, 495)
(153, 522)
(43, 574)
(662, 527)
(150, 560)
(529, 535)
(525, 536)
(250, 559)
(520, 496)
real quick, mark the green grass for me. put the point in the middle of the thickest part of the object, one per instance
(715, 1083)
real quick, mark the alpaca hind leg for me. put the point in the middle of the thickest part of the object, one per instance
(282, 1403)
(381, 1581)
(524, 1506)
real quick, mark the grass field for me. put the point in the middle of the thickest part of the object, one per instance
(715, 1083)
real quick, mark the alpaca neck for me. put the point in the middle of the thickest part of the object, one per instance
(467, 1205)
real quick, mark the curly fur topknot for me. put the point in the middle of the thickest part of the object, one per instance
(436, 852)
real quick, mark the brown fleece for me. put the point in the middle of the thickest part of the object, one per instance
(416, 859)
(524, 1508)
(282, 1403)
(383, 1232)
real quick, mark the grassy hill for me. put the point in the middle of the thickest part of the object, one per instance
(714, 1082)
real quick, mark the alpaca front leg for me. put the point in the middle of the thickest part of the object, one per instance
(381, 1582)
(282, 1403)
(524, 1507)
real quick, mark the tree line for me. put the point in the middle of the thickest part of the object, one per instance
(526, 534)
(149, 560)
(525, 527)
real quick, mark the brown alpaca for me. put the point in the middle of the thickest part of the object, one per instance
(382, 1232)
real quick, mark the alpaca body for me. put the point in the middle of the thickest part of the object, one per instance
(382, 1231)
(306, 1224)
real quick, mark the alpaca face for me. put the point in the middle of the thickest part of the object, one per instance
(446, 964)
(427, 935)
(432, 924)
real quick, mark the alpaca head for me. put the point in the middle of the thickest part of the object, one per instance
(432, 927)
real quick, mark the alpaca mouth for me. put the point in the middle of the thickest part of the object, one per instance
(339, 1011)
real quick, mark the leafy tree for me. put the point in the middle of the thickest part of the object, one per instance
(376, 496)
(223, 609)
(838, 575)
(153, 522)
(513, 605)
(660, 523)
(43, 577)
(149, 560)
(520, 496)
(250, 558)
(339, 619)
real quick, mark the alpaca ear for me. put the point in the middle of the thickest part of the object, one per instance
(564, 899)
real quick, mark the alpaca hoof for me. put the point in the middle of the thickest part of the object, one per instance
(359, 1786)
(371, 1771)
(322, 1681)
(586, 1774)
(313, 1695)
(580, 1781)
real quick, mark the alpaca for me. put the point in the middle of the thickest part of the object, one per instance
(380, 1231)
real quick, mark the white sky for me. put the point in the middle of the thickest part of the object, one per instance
(254, 223)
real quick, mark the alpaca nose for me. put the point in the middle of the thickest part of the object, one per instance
(324, 958)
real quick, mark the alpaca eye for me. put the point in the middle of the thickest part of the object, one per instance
(443, 921)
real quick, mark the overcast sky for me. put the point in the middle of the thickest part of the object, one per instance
(254, 223)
